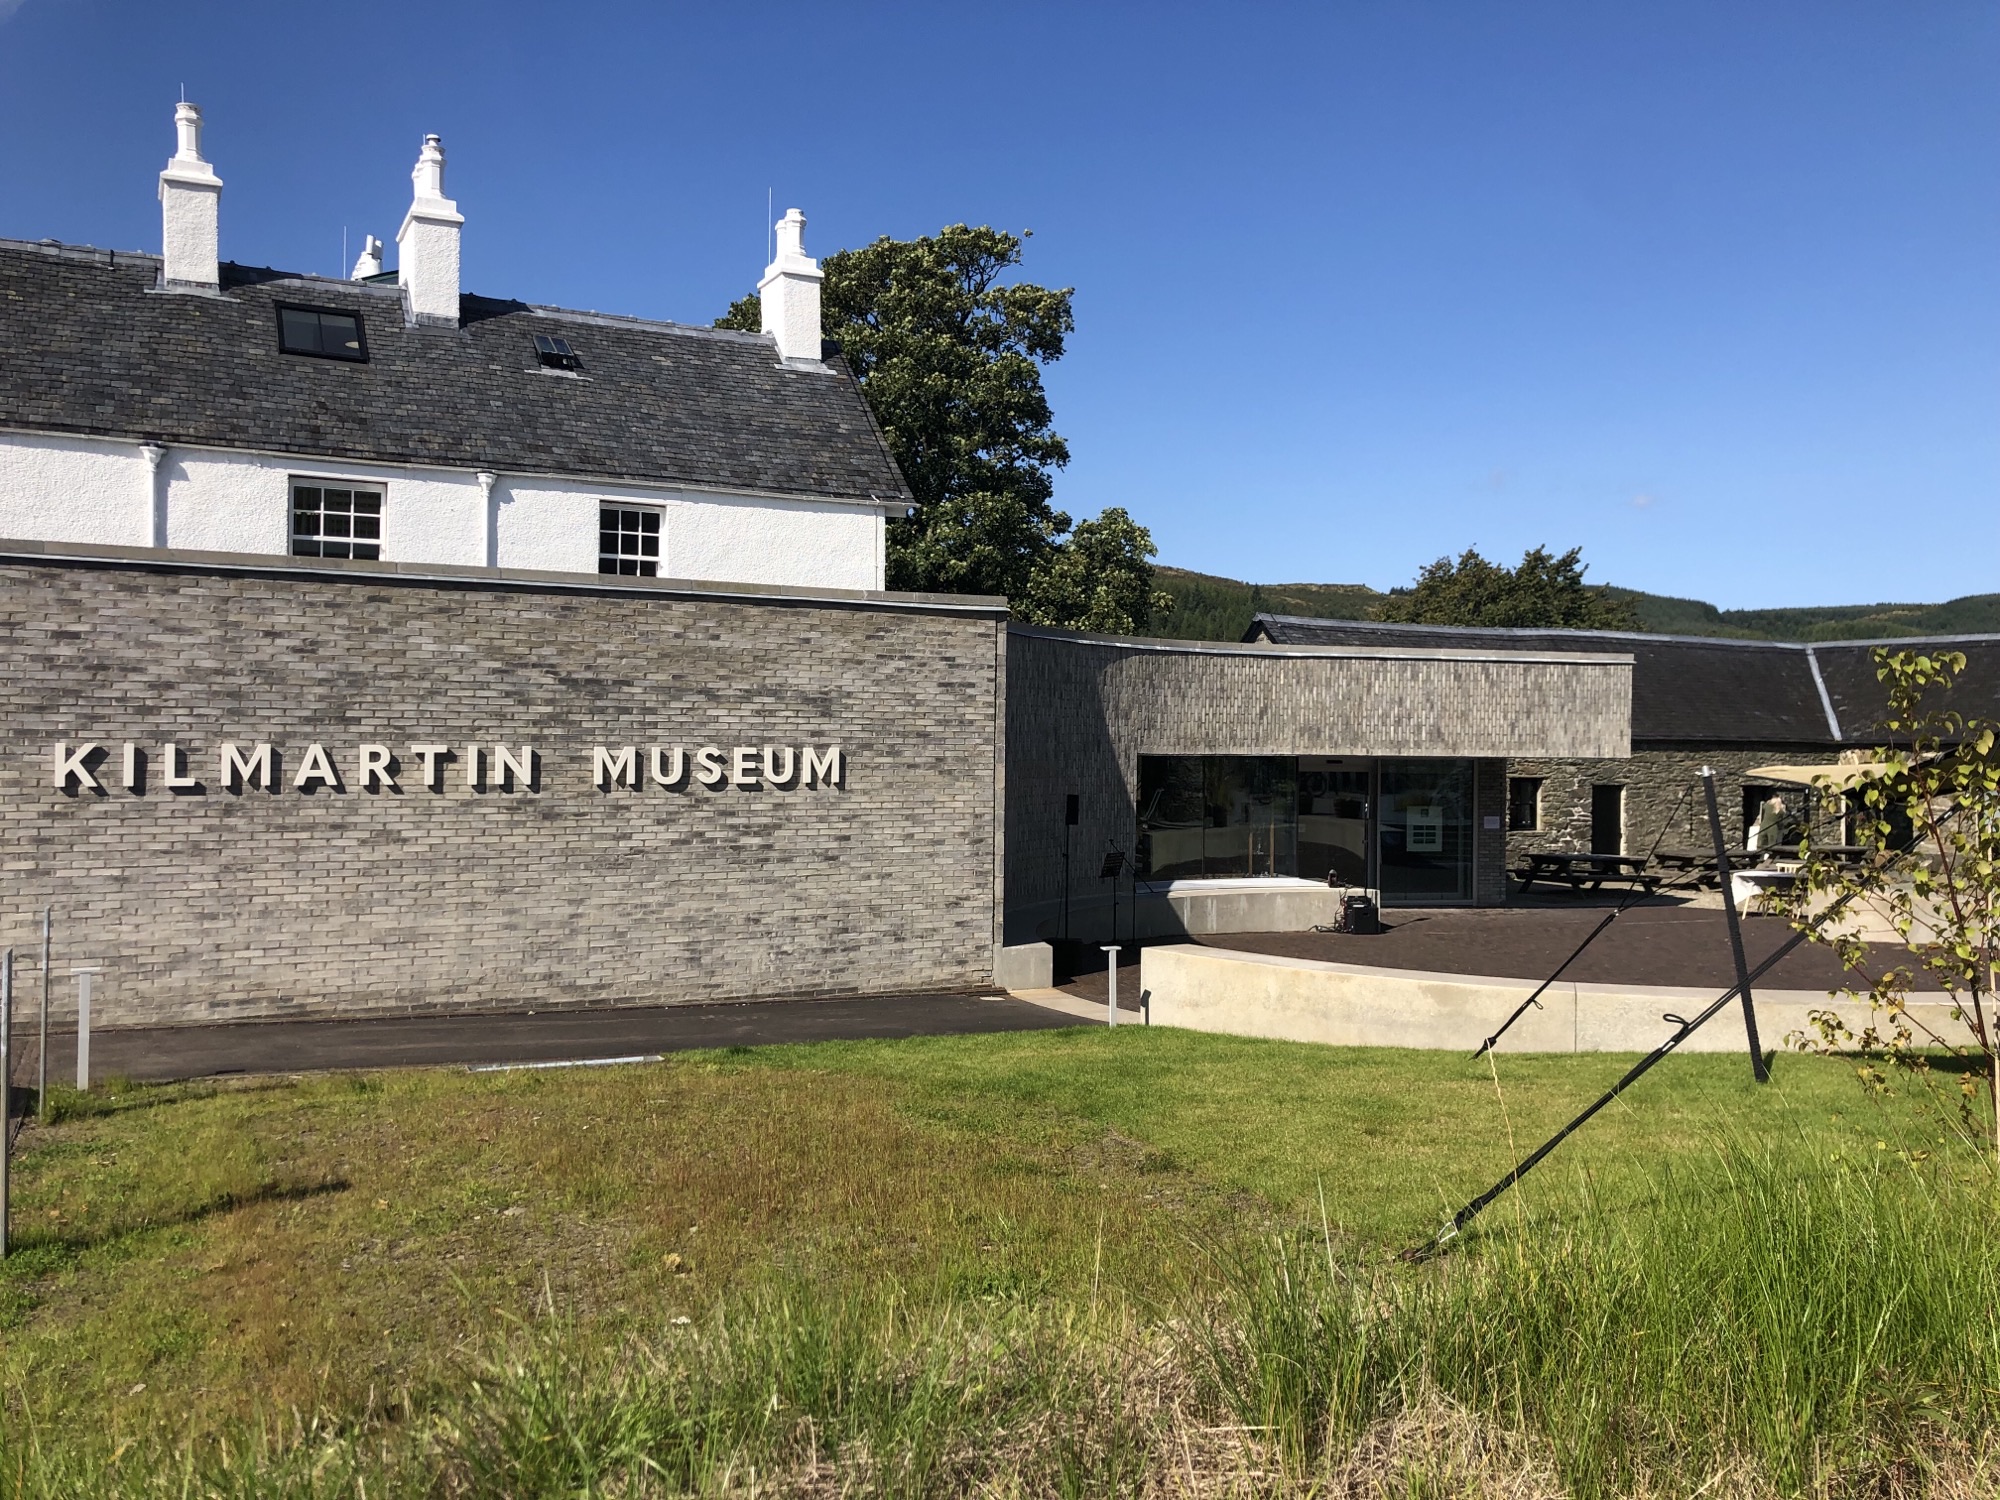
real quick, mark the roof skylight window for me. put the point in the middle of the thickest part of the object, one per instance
(330, 335)
(555, 354)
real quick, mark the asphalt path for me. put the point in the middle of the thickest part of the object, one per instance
(155, 1054)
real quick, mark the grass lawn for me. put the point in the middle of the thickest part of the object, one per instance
(194, 1257)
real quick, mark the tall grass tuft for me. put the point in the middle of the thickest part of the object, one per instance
(1806, 1319)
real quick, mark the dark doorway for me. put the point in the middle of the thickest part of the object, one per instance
(1607, 820)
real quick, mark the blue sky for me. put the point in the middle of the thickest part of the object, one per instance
(1711, 290)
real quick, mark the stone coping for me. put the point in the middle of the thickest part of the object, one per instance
(1351, 1005)
(347, 570)
(1668, 994)
(1270, 651)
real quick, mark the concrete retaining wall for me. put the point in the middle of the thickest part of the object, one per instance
(1350, 1005)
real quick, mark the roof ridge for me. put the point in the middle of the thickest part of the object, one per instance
(77, 252)
(1634, 635)
(1571, 630)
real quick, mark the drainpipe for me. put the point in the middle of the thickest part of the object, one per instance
(156, 505)
(487, 480)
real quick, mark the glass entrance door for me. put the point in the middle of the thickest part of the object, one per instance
(1335, 797)
(1425, 831)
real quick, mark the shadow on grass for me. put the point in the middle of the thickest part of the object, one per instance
(118, 1096)
(59, 1246)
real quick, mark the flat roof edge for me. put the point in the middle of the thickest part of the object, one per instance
(1524, 656)
(341, 570)
(1640, 636)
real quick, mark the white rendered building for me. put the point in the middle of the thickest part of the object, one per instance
(182, 401)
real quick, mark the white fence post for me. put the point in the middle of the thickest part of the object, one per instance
(83, 978)
(1111, 952)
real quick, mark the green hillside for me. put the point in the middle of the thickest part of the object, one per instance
(1835, 622)
(1208, 608)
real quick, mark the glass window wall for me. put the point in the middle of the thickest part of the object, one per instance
(1214, 816)
(1404, 827)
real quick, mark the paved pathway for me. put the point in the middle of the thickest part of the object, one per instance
(551, 1036)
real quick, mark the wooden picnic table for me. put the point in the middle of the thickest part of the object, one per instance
(1579, 871)
(1845, 854)
(1691, 859)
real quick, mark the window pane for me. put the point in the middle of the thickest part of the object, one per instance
(649, 522)
(305, 547)
(1170, 816)
(338, 334)
(340, 500)
(1426, 831)
(649, 546)
(335, 525)
(366, 504)
(368, 551)
(1333, 819)
(368, 526)
(649, 570)
(299, 331)
(1252, 816)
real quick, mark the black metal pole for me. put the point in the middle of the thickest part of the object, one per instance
(1757, 1066)
(6, 1089)
(1684, 1029)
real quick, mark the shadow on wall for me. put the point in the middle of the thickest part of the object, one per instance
(1061, 743)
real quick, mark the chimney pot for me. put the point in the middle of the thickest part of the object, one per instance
(427, 244)
(369, 262)
(190, 203)
(789, 292)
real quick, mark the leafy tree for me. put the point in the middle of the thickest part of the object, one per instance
(1544, 592)
(950, 357)
(1090, 582)
(1929, 822)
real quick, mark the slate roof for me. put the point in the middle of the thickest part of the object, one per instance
(1698, 691)
(90, 348)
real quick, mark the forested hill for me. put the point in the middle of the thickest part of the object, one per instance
(1207, 608)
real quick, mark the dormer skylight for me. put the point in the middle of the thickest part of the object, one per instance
(330, 335)
(555, 354)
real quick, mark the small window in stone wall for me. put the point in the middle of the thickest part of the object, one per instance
(1524, 803)
(628, 541)
(336, 521)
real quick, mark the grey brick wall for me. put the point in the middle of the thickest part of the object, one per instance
(1081, 712)
(1662, 792)
(225, 904)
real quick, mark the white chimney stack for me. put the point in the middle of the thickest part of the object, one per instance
(369, 262)
(427, 244)
(789, 292)
(190, 202)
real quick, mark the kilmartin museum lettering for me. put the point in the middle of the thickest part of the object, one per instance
(380, 768)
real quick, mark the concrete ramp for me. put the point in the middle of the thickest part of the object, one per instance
(1348, 1005)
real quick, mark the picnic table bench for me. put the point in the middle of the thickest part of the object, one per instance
(1581, 871)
